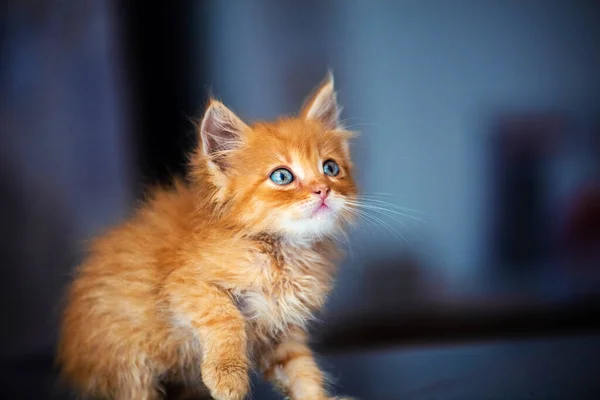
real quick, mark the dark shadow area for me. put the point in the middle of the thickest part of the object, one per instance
(166, 49)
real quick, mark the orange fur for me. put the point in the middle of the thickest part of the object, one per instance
(208, 279)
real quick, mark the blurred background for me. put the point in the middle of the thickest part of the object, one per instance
(480, 129)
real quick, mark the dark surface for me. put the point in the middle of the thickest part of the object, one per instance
(565, 368)
(548, 368)
(475, 322)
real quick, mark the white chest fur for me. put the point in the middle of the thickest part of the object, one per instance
(294, 283)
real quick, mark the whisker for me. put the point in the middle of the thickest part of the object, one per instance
(379, 222)
(382, 202)
(396, 219)
(383, 210)
(361, 218)
(346, 240)
(381, 194)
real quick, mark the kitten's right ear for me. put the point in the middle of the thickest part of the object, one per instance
(323, 106)
(221, 132)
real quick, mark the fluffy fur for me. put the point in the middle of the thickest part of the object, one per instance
(212, 278)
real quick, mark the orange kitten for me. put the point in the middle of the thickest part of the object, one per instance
(211, 279)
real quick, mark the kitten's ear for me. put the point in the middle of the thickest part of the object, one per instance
(221, 132)
(322, 105)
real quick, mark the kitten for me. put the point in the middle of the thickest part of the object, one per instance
(210, 279)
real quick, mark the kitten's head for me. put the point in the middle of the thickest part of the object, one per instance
(291, 177)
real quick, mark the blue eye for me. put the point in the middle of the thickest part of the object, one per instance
(282, 176)
(331, 168)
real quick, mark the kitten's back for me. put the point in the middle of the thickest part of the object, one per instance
(113, 307)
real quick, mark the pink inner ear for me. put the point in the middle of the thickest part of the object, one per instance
(324, 107)
(220, 132)
(329, 116)
(218, 135)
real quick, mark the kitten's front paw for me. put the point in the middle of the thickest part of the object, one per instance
(226, 380)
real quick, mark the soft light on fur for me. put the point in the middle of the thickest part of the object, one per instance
(211, 279)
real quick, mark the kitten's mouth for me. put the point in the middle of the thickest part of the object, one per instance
(322, 209)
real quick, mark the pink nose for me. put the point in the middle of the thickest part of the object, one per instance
(321, 191)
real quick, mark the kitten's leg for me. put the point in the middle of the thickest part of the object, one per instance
(142, 388)
(221, 329)
(291, 367)
(133, 378)
(138, 394)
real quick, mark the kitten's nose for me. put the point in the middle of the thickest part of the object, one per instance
(321, 190)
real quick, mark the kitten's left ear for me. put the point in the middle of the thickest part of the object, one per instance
(221, 132)
(322, 105)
